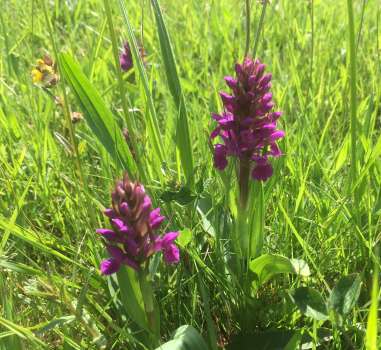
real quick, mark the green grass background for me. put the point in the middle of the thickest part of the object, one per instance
(51, 293)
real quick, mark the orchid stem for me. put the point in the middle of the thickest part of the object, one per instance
(149, 306)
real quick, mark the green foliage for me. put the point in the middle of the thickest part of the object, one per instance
(267, 266)
(183, 140)
(185, 338)
(132, 297)
(372, 342)
(315, 207)
(185, 237)
(310, 302)
(99, 118)
(345, 294)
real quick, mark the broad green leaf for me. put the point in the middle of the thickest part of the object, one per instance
(184, 238)
(345, 294)
(267, 340)
(98, 116)
(185, 338)
(267, 266)
(131, 296)
(183, 140)
(310, 302)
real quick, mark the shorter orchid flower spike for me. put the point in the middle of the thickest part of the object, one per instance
(133, 237)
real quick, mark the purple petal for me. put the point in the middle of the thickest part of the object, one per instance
(108, 234)
(119, 225)
(131, 263)
(171, 254)
(215, 133)
(169, 237)
(238, 69)
(220, 161)
(262, 172)
(276, 135)
(216, 116)
(275, 150)
(276, 115)
(267, 97)
(227, 119)
(260, 69)
(109, 266)
(146, 203)
(110, 213)
(116, 253)
(123, 207)
(265, 80)
(231, 82)
(125, 58)
(156, 219)
(131, 247)
(228, 101)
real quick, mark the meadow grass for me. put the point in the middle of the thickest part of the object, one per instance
(323, 202)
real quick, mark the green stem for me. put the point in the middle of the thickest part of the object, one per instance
(243, 180)
(247, 2)
(149, 306)
(259, 28)
(353, 95)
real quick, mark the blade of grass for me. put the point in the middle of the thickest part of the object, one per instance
(183, 139)
(353, 94)
(99, 118)
(153, 126)
(259, 28)
(129, 117)
(23, 333)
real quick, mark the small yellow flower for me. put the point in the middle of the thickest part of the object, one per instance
(44, 72)
(36, 76)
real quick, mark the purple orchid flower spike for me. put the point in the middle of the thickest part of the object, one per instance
(133, 236)
(125, 58)
(247, 127)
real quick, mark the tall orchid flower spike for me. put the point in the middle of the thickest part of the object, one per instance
(247, 126)
(133, 237)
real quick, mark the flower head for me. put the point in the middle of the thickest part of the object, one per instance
(44, 73)
(133, 238)
(125, 58)
(247, 126)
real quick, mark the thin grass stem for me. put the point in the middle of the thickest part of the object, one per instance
(247, 3)
(259, 28)
(353, 94)
(64, 97)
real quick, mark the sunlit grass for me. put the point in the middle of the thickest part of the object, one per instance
(51, 204)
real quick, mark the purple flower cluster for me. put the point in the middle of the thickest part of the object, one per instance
(125, 58)
(133, 238)
(247, 126)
